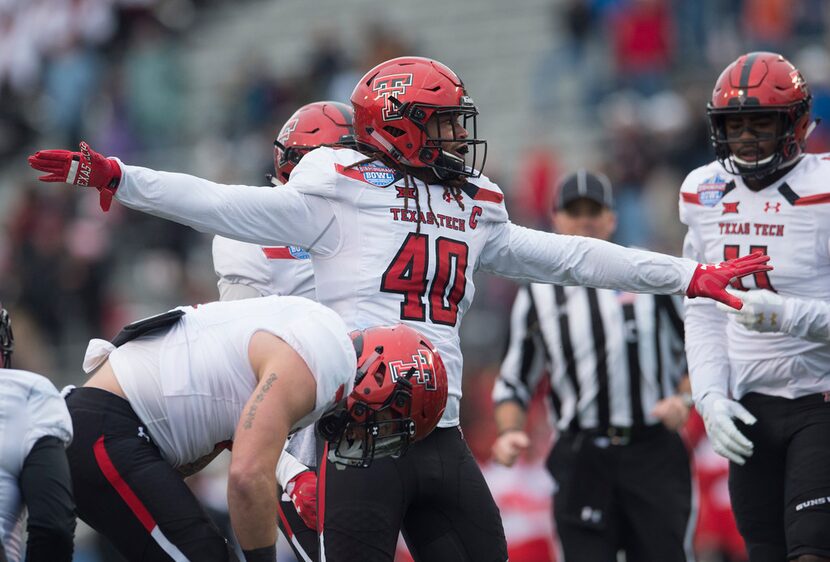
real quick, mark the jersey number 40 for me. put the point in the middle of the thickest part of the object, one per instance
(407, 275)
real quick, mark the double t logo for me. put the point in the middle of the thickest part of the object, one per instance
(424, 371)
(392, 85)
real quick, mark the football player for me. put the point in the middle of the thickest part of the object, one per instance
(396, 230)
(766, 407)
(169, 393)
(250, 270)
(34, 475)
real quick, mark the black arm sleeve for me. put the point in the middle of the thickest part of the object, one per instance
(47, 493)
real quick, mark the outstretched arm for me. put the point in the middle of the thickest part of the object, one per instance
(522, 253)
(251, 214)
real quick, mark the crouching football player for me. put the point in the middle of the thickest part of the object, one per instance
(169, 393)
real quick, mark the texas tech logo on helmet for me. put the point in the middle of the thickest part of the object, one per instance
(287, 129)
(392, 85)
(424, 370)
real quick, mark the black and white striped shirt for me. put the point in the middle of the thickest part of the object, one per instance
(611, 355)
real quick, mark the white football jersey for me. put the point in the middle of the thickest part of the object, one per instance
(30, 408)
(268, 270)
(789, 221)
(189, 384)
(271, 270)
(371, 265)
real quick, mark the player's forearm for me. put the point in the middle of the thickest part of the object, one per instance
(46, 487)
(252, 505)
(807, 318)
(244, 213)
(509, 416)
(706, 349)
(574, 260)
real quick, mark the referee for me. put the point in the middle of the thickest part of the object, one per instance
(618, 394)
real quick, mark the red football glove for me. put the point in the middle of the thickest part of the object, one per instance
(86, 168)
(302, 489)
(710, 280)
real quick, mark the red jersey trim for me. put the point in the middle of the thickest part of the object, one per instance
(349, 172)
(487, 195)
(690, 198)
(481, 194)
(813, 199)
(278, 253)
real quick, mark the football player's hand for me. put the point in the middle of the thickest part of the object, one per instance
(302, 489)
(509, 445)
(711, 280)
(727, 441)
(763, 310)
(85, 168)
(672, 411)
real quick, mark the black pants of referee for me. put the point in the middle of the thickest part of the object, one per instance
(632, 494)
(435, 493)
(781, 496)
(125, 490)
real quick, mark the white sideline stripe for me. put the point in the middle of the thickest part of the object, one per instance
(322, 553)
(167, 546)
(73, 171)
(299, 548)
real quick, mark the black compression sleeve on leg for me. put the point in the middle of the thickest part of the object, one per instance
(46, 488)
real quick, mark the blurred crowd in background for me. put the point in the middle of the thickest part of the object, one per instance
(619, 85)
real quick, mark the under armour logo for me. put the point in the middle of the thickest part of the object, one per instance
(142, 434)
(776, 207)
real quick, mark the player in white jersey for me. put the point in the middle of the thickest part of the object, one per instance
(250, 270)
(34, 475)
(396, 231)
(172, 391)
(766, 408)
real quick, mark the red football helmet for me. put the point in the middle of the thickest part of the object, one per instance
(392, 104)
(768, 83)
(399, 395)
(314, 124)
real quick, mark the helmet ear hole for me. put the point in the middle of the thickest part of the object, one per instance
(380, 374)
(394, 131)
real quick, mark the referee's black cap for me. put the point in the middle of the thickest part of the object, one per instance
(583, 184)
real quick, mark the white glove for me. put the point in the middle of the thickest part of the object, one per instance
(727, 441)
(763, 310)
